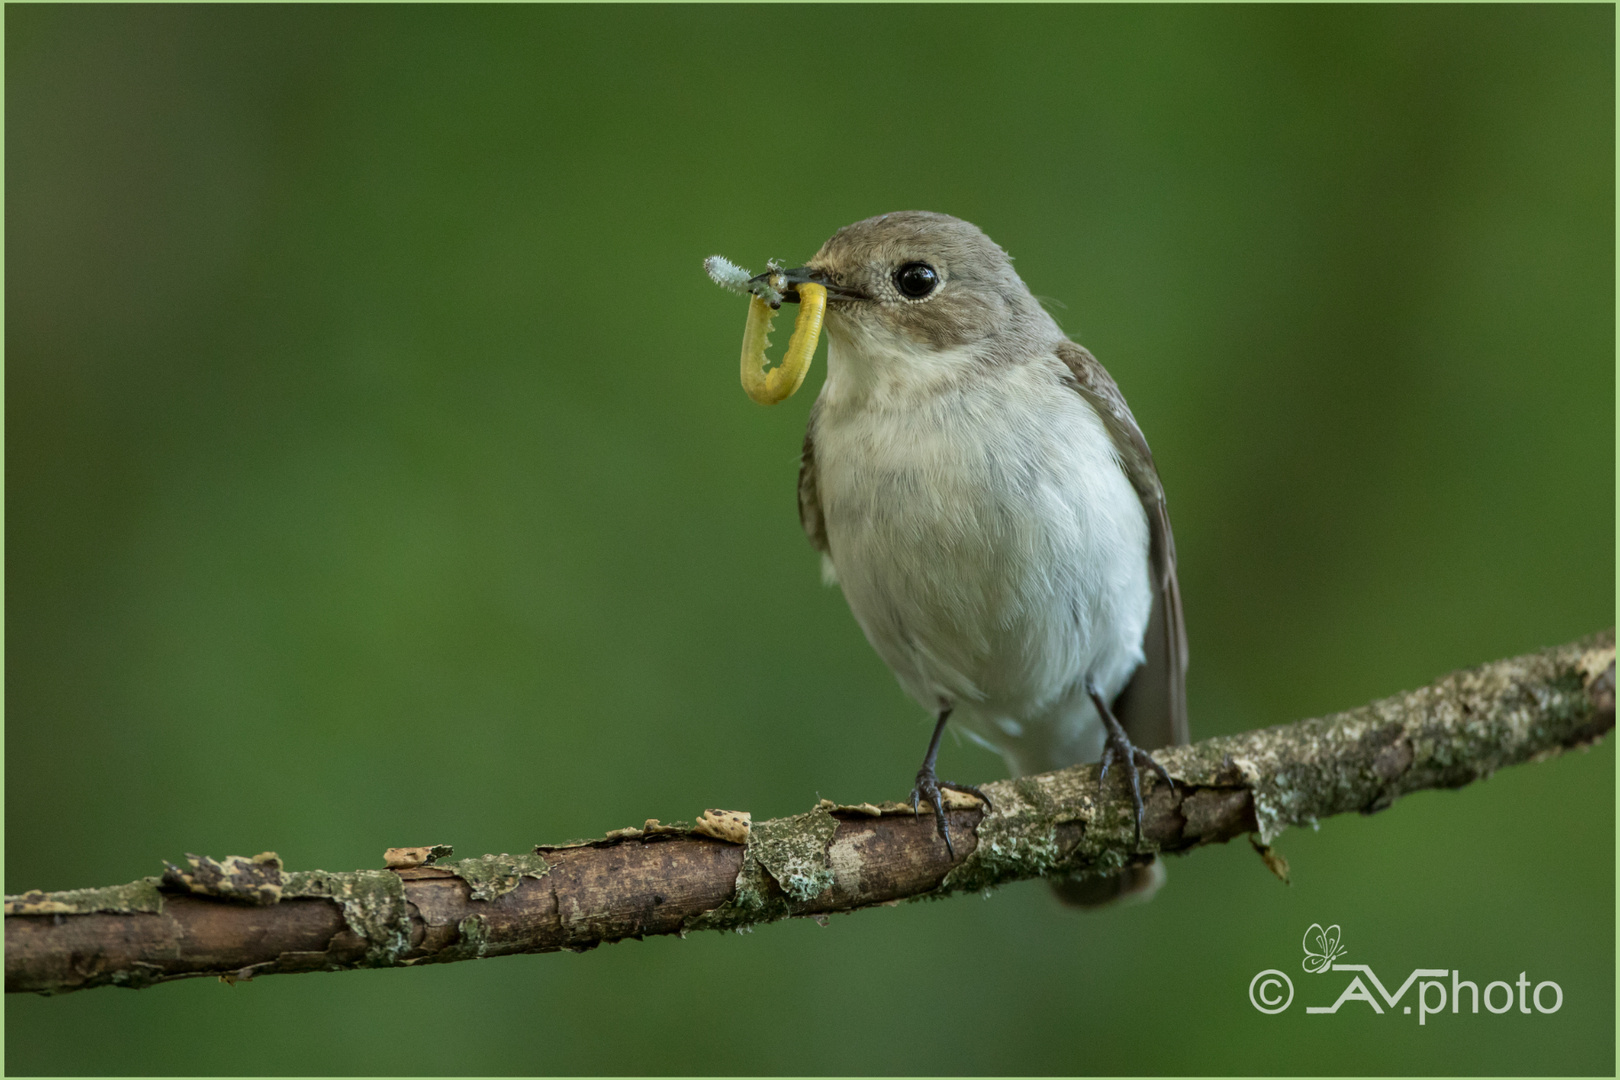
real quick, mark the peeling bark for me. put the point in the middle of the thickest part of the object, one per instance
(239, 918)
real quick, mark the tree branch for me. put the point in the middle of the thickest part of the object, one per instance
(240, 918)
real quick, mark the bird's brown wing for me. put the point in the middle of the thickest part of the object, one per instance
(1153, 706)
(815, 526)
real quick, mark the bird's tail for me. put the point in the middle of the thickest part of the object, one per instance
(1134, 884)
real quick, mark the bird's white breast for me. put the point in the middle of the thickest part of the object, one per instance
(984, 534)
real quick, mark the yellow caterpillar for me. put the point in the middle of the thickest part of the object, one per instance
(779, 384)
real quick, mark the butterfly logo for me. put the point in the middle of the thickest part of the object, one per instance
(1321, 947)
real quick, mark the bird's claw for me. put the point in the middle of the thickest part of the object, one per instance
(929, 786)
(1120, 746)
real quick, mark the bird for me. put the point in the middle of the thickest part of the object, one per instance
(980, 491)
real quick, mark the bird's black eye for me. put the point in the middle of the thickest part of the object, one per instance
(916, 280)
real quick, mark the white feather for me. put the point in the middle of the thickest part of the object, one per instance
(985, 536)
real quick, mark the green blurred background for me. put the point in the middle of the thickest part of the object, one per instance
(377, 474)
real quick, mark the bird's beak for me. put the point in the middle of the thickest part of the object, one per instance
(783, 281)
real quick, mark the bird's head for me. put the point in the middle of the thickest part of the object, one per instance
(919, 284)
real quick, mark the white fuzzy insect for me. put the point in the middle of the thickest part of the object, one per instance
(728, 275)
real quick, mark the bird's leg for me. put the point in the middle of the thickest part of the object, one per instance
(1119, 744)
(928, 784)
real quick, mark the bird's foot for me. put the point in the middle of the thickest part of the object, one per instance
(1119, 747)
(928, 787)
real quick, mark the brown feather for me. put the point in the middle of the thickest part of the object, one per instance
(1153, 706)
(815, 526)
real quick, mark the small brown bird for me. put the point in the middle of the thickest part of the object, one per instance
(979, 489)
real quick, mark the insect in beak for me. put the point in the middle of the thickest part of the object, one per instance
(780, 383)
